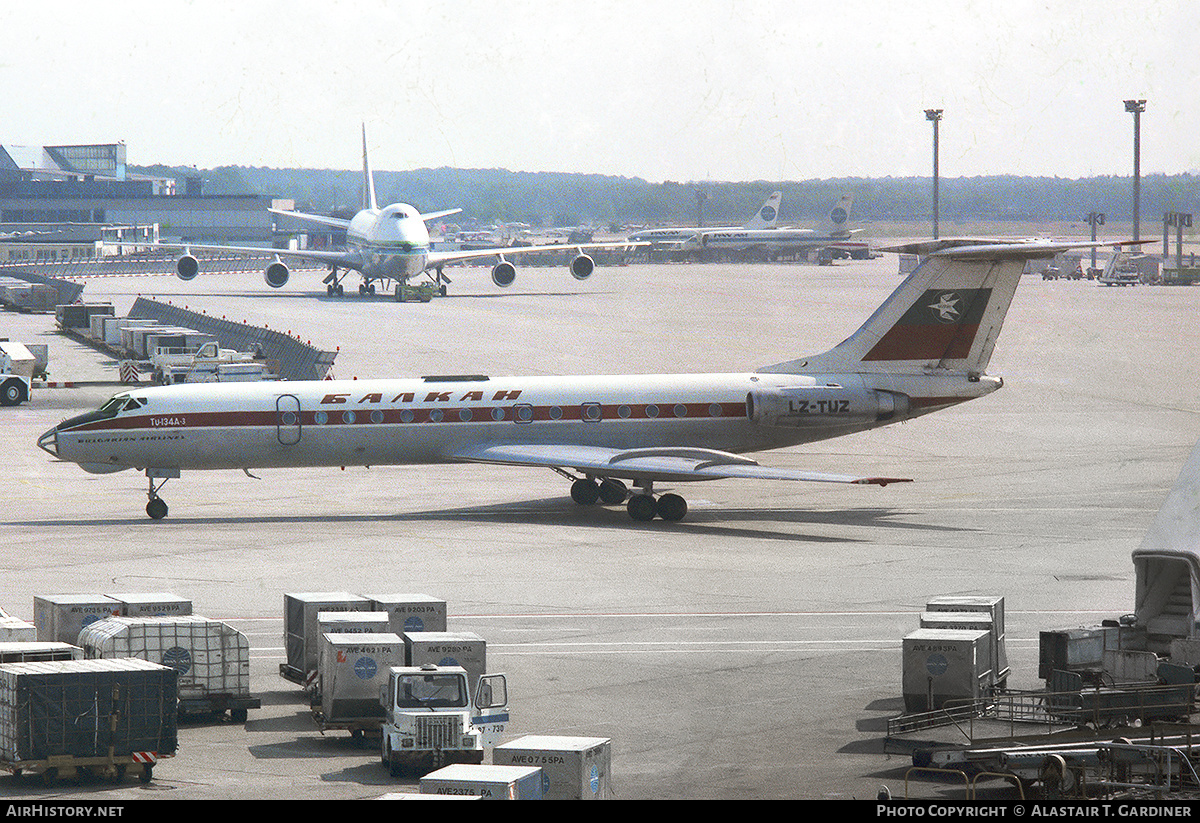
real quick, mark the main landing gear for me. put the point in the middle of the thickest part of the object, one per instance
(642, 505)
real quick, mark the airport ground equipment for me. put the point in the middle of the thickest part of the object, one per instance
(15, 629)
(978, 612)
(211, 658)
(62, 617)
(486, 782)
(411, 612)
(208, 363)
(465, 649)
(573, 768)
(353, 674)
(944, 666)
(30, 651)
(1119, 704)
(301, 630)
(431, 718)
(108, 717)
(17, 366)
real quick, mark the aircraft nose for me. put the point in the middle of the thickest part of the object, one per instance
(48, 442)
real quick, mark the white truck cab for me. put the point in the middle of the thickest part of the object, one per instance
(431, 718)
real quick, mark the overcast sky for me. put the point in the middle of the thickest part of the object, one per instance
(695, 90)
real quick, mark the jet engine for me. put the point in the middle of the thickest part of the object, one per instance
(504, 273)
(582, 267)
(801, 408)
(276, 274)
(187, 267)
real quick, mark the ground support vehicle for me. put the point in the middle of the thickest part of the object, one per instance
(431, 720)
(16, 373)
(207, 364)
(418, 292)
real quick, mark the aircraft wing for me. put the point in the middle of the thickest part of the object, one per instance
(667, 464)
(345, 259)
(442, 257)
(336, 222)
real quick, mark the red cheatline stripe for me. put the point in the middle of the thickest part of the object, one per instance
(337, 415)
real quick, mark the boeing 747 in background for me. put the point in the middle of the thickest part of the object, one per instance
(767, 242)
(383, 245)
(924, 349)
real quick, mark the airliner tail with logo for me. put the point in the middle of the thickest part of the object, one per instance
(617, 439)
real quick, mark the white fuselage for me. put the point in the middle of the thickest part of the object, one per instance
(393, 242)
(432, 420)
(774, 239)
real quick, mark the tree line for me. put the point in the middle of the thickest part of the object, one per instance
(566, 199)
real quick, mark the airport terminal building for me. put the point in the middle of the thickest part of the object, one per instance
(89, 184)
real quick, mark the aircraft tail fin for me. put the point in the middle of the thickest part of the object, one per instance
(767, 216)
(839, 215)
(946, 315)
(369, 201)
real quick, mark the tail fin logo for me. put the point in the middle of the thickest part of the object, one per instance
(767, 213)
(838, 216)
(946, 309)
(940, 325)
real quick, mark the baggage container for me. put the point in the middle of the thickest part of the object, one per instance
(114, 326)
(412, 612)
(27, 651)
(465, 649)
(944, 668)
(14, 628)
(156, 604)
(102, 715)
(353, 673)
(993, 607)
(353, 623)
(573, 768)
(212, 659)
(301, 635)
(77, 317)
(62, 617)
(487, 782)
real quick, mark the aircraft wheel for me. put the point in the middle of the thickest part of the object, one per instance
(156, 508)
(341, 290)
(613, 492)
(371, 289)
(362, 289)
(641, 507)
(585, 492)
(329, 290)
(671, 507)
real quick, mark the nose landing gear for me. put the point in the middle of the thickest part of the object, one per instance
(156, 508)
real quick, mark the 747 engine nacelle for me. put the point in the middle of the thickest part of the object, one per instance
(276, 274)
(582, 267)
(187, 267)
(800, 408)
(503, 274)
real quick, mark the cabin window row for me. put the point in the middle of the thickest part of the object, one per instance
(521, 413)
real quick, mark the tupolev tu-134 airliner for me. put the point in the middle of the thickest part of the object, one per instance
(614, 437)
